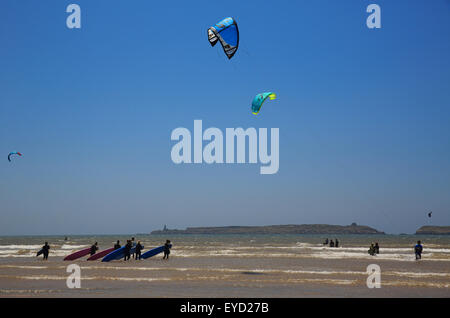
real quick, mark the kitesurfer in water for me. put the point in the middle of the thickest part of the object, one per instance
(94, 248)
(418, 250)
(139, 248)
(117, 245)
(166, 249)
(326, 242)
(45, 250)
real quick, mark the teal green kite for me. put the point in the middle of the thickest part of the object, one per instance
(260, 99)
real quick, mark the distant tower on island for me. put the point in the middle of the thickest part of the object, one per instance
(165, 228)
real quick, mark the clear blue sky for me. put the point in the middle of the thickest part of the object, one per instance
(364, 115)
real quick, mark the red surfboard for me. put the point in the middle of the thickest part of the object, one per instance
(78, 254)
(100, 254)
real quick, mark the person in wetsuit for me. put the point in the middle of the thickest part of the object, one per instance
(117, 245)
(326, 242)
(127, 250)
(371, 250)
(337, 243)
(418, 250)
(377, 248)
(46, 249)
(94, 248)
(132, 244)
(166, 249)
(139, 248)
(331, 243)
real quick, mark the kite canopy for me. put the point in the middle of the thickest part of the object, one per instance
(226, 31)
(13, 153)
(260, 99)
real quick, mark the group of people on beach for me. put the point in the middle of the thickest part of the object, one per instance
(127, 249)
(137, 251)
(374, 248)
(331, 243)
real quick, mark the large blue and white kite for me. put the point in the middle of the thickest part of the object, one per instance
(226, 31)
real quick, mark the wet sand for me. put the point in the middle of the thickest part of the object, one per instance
(225, 276)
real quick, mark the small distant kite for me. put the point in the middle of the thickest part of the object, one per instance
(260, 99)
(13, 153)
(227, 32)
(429, 214)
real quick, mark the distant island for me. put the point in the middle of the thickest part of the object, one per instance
(276, 229)
(434, 230)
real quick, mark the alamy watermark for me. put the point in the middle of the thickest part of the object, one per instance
(73, 20)
(373, 21)
(374, 278)
(74, 279)
(235, 141)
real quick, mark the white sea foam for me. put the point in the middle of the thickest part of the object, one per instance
(73, 247)
(416, 284)
(20, 247)
(32, 254)
(233, 270)
(320, 280)
(28, 291)
(55, 277)
(413, 274)
(137, 279)
(23, 266)
(244, 250)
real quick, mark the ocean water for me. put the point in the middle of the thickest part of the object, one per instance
(392, 247)
(231, 266)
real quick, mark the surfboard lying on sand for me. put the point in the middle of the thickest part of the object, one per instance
(100, 254)
(154, 252)
(78, 254)
(118, 254)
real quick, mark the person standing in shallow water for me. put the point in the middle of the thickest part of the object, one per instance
(377, 248)
(371, 250)
(139, 248)
(94, 248)
(46, 249)
(418, 250)
(166, 250)
(117, 245)
(127, 250)
(331, 243)
(133, 243)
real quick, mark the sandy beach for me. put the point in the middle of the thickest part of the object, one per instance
(252, 267)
